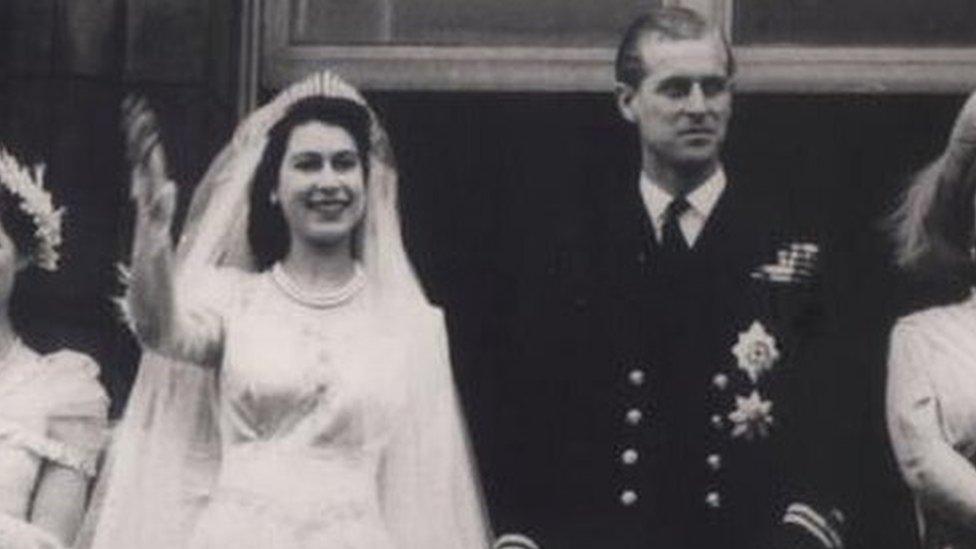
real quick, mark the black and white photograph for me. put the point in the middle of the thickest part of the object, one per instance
(487, 274)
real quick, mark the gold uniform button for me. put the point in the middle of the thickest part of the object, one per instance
(713, 500)
(637, 377)
(629, 456)
(714, 462)
(717, 421)
(628, 498)
(634, 416)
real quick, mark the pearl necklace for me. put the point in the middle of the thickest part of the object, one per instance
(323, 299)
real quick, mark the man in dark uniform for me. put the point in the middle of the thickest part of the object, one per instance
(670, 386)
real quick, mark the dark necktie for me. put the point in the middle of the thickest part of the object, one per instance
(672, 239)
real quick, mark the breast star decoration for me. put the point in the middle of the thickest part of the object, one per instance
(755, 351)
(752, 417)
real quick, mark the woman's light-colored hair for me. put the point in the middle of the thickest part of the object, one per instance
(933, 226)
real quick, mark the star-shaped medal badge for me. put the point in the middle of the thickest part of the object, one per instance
(752, 417)
(755, 351)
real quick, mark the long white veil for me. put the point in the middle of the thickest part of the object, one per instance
(166, 450)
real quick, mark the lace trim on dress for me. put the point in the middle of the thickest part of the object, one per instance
(50, 449)
(329, 298)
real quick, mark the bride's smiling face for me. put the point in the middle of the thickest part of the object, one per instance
(321, 184)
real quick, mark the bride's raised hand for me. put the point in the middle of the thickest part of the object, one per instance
(152, 190)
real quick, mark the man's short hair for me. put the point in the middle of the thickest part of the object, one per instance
(671, 24)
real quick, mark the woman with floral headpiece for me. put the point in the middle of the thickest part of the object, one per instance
(52, 407)
(296, 391)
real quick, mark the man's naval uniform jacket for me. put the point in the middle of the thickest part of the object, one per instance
(671, 402)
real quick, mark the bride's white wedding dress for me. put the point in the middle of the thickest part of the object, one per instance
(310, 397)
(330, 435)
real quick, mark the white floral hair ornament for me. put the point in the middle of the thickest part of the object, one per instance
(28, 185)
(756, 351)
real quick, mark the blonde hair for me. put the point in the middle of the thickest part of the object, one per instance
(933, 225)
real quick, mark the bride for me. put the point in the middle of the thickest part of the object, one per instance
(296, 391)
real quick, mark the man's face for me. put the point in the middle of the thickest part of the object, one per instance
(682, 107)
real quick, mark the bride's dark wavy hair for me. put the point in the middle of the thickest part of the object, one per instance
(267, 230)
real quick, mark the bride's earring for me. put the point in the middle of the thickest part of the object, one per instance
(273, 198)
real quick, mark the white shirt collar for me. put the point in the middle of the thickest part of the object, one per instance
(702, 200)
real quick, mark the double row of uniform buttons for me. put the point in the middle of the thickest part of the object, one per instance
(713, 498)
(633, 417)
(630, 456)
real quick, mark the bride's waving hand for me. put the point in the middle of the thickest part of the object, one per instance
(158, 317)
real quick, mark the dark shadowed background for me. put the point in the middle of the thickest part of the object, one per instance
(483, 176)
